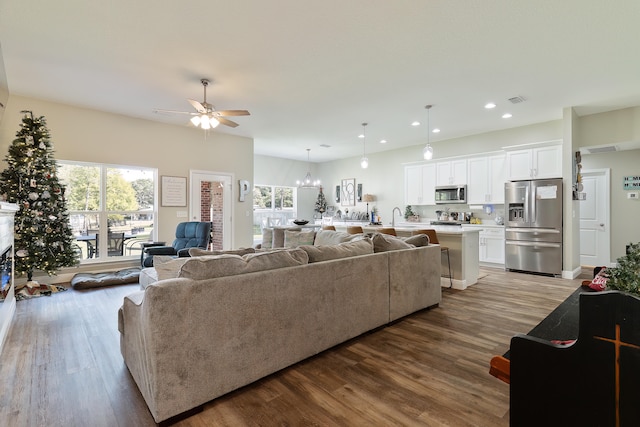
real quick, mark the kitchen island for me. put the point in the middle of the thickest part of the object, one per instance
(463, 244)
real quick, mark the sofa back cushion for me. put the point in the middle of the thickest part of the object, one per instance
(212, 266)
(273, 237)
(387, 242)
(293, 239)
(417, 240)
(204, 252)
(362, 246)
(331, 237)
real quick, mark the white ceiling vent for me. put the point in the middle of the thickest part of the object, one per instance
(517, 99)
(325, 145)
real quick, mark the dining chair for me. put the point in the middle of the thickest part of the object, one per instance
(354, 229)
(387, 230)
(329, 227)
(433, 239)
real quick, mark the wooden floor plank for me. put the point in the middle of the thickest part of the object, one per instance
(61, 365)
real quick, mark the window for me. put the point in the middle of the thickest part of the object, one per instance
(111, 208)
(272, 206)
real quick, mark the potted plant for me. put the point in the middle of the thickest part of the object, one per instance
(410, 215)
(625, 276)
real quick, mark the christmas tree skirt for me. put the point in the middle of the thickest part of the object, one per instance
(35, 289)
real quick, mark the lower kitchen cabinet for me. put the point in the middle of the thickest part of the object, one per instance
(492, 246)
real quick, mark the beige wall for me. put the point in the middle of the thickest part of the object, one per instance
(611, 128)
(93, 136)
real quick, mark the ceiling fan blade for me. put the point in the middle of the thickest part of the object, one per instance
(227, 122)
(198, 106)
(161, 111)
(233, 112)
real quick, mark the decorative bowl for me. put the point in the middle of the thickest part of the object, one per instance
(300, 221)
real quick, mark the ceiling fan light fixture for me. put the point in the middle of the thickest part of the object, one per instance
(214, 122)
(204, 122)
(195, 120)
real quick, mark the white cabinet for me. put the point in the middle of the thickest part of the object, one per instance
(535, 163)
(419, 184)
(486, 177)
(451, 172)
(492, 246)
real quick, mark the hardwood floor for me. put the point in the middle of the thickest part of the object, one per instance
(61, 365)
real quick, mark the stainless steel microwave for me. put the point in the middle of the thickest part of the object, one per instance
(451, 194)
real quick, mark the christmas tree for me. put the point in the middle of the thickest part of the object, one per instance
(43, 236)
(321, 203)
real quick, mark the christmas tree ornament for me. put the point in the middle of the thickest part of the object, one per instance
(22, 253)
(46, 194)
(33, 196)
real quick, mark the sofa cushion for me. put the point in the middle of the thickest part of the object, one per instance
(293, 239)
(331, 237)
(362, 246)
(204, 252)
(387, 242)
(417, 240)
(267, 238)
(212, 266)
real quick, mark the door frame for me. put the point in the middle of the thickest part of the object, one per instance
(606, 247)
(198, 176)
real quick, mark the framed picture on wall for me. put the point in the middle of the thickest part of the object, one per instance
(174, 191)
(348, 196)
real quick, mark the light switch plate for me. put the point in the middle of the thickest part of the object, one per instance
(181, 214)
(632, 195)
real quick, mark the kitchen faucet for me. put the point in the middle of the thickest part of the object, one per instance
(393, 218)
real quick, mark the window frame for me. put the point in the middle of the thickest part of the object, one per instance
(103, 213)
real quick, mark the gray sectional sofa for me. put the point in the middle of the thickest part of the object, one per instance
(191, 338)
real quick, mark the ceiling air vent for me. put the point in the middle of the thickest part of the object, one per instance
(602, 149)
(517, 99)
(325, 145)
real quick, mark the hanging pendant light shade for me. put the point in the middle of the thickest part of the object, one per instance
(427, 151)
(307, 181)
(364, 162)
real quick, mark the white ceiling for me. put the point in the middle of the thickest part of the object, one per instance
(311, 72)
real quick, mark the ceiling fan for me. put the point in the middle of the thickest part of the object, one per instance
(206, 116)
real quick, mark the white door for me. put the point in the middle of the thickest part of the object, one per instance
(225, 180)
(595, 234)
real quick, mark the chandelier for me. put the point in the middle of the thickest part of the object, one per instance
(427, 151)
(307, 181)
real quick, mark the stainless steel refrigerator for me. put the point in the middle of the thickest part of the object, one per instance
(533, 226)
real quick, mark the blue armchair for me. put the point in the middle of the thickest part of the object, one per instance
(191, 234)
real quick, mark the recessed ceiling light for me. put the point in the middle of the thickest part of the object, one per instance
(383, 141)
(507, 115)
(436, 130)
(490, 105)
(416, 123)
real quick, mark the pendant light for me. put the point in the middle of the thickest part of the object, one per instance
(364, 162)
(307, 182)
(427, 151)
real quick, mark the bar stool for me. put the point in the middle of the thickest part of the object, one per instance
(329, 227)
(388, 230)
(354, 229)
(433, 239)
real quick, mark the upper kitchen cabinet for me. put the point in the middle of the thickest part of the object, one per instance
(420, 184)
(486, 178)
(451, 172)
(535, 163)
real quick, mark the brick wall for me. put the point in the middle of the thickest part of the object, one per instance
(211, 203)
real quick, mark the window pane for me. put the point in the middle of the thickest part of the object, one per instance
(262, 196)
(82, 186)
(284, 198)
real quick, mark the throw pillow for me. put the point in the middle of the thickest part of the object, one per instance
(169, 269)
(363, 246)
(204, 252)
(293, 239)
(387, 242)
(267, 238)
(262, 261)
(330, 237)
(278, 235)
(417, 240)
(599, 282)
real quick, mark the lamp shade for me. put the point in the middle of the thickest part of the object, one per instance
(368, 198)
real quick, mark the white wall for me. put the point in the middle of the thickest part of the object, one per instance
(93, 136)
